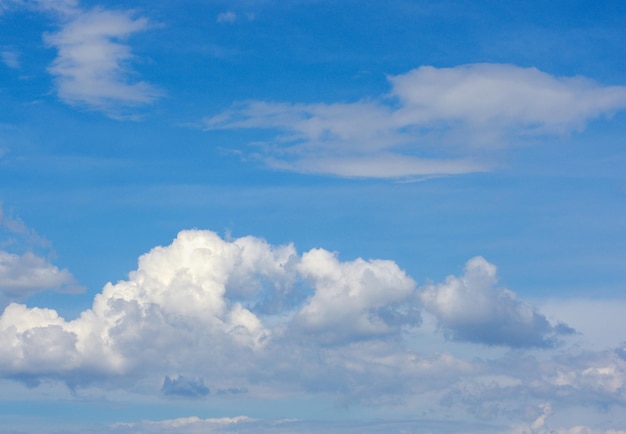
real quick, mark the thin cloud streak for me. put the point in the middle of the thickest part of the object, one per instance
(435, 121)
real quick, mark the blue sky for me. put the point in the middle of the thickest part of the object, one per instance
(312, 216)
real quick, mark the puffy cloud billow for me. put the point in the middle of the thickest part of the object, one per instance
(194, 318)
(470, 308)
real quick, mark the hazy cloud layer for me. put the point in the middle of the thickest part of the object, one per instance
(458, 114)
(242, 424)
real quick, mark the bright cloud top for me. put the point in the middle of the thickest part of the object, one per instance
(202, 298)
(207, 316)
(466, 110)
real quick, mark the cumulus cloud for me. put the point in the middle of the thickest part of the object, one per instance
(186, 304)
(435, 121)
(354, 299)
(470, 308)
(191, 319)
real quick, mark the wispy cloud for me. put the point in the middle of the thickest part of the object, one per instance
(241, 424)
(92, 66)
(226, 17)
(10, 58)
(434, 121)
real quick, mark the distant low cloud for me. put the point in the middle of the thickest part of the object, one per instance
(470, 308)
(242, 424)
(187, 425)
(435, 121)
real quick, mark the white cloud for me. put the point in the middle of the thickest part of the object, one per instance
(24, 275)
(435, 121)
(191, 321)
(502, 99)
(470, 308)
(353, 299)
(92, 66)
(173, 307)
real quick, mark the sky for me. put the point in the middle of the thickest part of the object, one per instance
(312, 216)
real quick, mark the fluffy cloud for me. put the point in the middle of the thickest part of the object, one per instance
(193, 317)
(202, 298)
(470, 308)
(23, 275)
(354, 299)
(467, 111)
